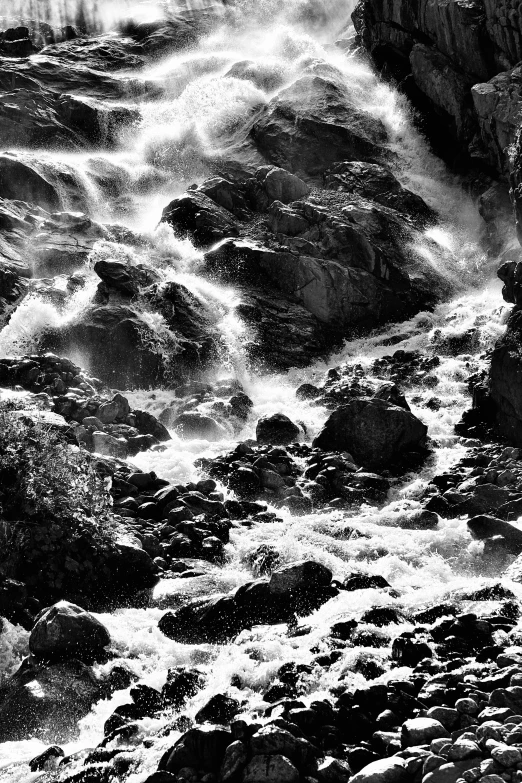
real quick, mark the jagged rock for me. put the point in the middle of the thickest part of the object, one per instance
(47, 701)
(505, 380)
(281, 185)
(293, 589)
(124, 277)
(377, 183)
(277, 430)
(454, 53)
(392, 770)
(373, 431)
(198, 217)
(65, 631)
(313, 123)
(48, 760)
(25, 180)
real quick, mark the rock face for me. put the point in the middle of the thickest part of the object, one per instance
(458, 61)
(505, 376)
(374, 431)
(66, 631)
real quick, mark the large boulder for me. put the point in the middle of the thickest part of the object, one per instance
(313, 123)
(194, 425)
(296, 589)
(201, 748)
(47, 701)
(374, 431)
(277, 430)
(66, 631)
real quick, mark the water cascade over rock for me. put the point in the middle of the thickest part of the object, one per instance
(260, 409)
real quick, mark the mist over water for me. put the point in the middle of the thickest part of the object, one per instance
(201, 113)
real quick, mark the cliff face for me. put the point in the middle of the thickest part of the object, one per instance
(457, 58)
(459, 62)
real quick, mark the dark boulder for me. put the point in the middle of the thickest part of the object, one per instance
(196, 216)
(65, 631)
(483, 527)
(294, 589)
(47, 701)
(377, 183)
(123, 277)
(374, 431)
(314, 123)
(277, 430)
(220, 709)
(200, 748)
(25, 180)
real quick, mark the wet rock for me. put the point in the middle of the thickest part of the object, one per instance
(195, 426)
(421, 731)
(48, 760)
(47, 701)
(198, 217)
(294, 589)
(281, 185)
(201, 748)
(374, 431)
(181, 685)
(504, 378)
(24, 180)
(123, 277)
(220, 709)
(483, 527)
(312, 124)
(273, 740)
(377, 183)
(364, 582)
(333, 770)
(65, 631)
(277, 430)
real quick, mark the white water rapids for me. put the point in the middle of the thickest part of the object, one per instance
(155, 162)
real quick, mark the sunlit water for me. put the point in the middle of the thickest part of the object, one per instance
(201, 106)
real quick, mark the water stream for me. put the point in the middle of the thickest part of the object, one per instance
(201, 107)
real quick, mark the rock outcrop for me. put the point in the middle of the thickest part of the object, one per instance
(456, 61)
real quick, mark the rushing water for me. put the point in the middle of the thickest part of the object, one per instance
(200, 107)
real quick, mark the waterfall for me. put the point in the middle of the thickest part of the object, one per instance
(198, 118)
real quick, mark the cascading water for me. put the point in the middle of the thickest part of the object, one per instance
(201, 110)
